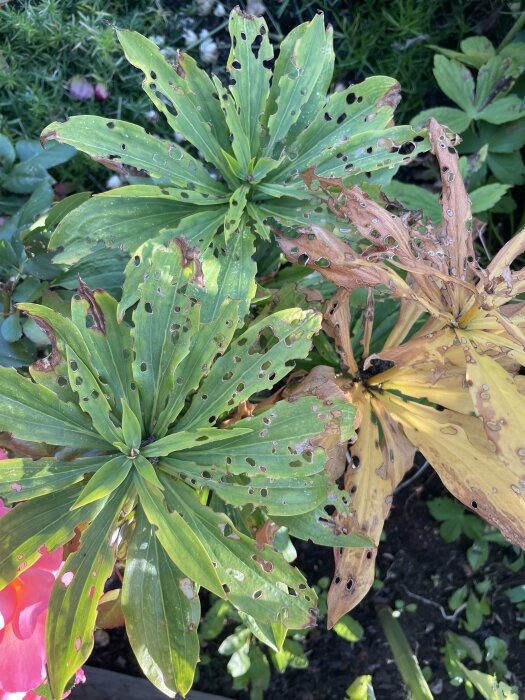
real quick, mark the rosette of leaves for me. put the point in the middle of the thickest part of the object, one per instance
(255, 136)
(453, 390)
(26, 192)
(135, 409)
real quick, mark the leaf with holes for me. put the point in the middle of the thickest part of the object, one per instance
(162, 611)
(257, 134)
(130, 392)
(444, 379)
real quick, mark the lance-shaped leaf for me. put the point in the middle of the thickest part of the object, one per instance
(164, 322)
(177, 441)
(23, 479)
(162, 611)
(257, 581)
(119, 144)
(74, 599)
(254, 362)
(179, 540)
(109, 344)
(46, 522)
(251, 77)
(187, 90)
(32, 412)
(115, 221)
(292, 84)
(106, 479)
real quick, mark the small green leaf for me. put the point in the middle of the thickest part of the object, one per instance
(348, 629)
(456, 82)
(131, 428)
(105, 480)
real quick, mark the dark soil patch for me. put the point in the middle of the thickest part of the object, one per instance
(414, 564)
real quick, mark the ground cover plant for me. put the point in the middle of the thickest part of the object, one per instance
(235, 358)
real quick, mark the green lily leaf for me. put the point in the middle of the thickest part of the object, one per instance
(162, 611)
(256, 135)
(74, 599)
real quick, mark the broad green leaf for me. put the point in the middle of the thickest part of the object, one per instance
(456, 82)
(249, 50)
(455, 119)
(367, 106)
(212, 340)
(106, 479)
(485, 197)
(45, 522)
(229, 273)
(188, 104)
(507, 167)
(179, 540)
(33, 412)
(116, 222)
(119, 143)
(293, 88)
(73, 605)
(24, 479)
(177, 441)
(109, 345)
(507, 138)
(258, 581)
(164, 322)
(506, 109)
(198, 229)
(167, 193)
(494, 80)
(415, 197)
(162, 612)
(255, 361)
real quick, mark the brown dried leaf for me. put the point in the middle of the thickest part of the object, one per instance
(336, 323)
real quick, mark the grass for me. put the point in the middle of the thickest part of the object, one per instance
(44, 43)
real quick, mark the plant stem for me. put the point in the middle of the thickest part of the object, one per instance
(516, 27)
(404, 657)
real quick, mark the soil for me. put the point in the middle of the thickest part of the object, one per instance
(415, 566)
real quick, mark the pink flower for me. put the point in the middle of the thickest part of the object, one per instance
(23, 611)
(80, 88)
(101, 92)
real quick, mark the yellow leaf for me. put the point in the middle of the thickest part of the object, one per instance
(457, 448)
